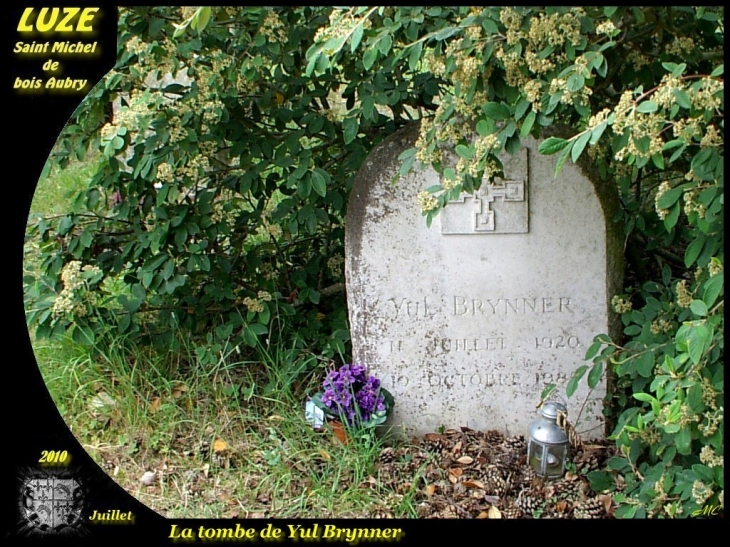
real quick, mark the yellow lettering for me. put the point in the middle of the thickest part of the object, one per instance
(86, 17)
(64, 26)
(44, 24)
(23, 25)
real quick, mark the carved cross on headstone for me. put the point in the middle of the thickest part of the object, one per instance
(498, 207)
(508, 190)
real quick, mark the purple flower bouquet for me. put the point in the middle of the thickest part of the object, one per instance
(353, 397)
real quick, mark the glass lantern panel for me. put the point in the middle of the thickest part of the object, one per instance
(555, 458)
(535, 460)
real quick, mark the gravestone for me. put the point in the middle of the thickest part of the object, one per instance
(466, 322)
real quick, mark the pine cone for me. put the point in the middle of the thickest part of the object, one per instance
(424, 510)
(512, 512)
(494, 481)
(516, 443)
(528, 501)
(494, 437)
(435, 442)
(511, 460)
(387, 455)
(589, 509)
(591, 463)
(382, 513)
(568, 489)
(388, 475)
(447, 512)
(528, 476)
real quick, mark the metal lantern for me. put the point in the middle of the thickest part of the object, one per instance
(547, 443)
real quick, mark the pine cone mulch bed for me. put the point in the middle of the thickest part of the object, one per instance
(475, 474)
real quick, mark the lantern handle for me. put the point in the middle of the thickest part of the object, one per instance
(575, 439)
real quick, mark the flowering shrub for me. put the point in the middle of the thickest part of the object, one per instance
(354, 397)
(219, 206)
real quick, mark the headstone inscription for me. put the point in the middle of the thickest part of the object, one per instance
(468, 320)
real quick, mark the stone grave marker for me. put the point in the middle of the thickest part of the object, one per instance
(467, 321)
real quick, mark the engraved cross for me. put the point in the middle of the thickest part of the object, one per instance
(507, 190)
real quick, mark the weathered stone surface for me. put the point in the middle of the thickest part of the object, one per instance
(467, 321)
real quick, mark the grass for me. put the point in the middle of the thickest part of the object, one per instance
(216, 451)
(226, 439)
(53, 194)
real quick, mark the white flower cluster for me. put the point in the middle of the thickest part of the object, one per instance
(664, 187)
(684, 297)
(273, 28)
(165, 173)
(709, 458)
(334, 264)
(427, 202)
(135, 45)
(620, 305)
(74, 296)
(715, 266)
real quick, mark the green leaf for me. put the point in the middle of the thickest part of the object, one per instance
(695, 345)
(521, 108)
(496, 111)
(169, 269)
(579, 145)
(704, 473)
(83, 335)
(350, 127)
(597, 132)
(644, 397)
(694, 398)
(683, 441)
(369, 58)
(645, 364)
(669, 198)
(304, 187)
(563, 157)
(249, 337)
(201, 19)
(671, 219)
(626, 511)
(712, 289)
(444, 33)
(384, 45)
(617, 463)
(551, 145)
(415, 56)
(483, 128)
(356, 37)
(594, 376)
(682, 97)
(526, 124)
(180, 29)
(698, 307)
(513, 145)
(575, 83)
(319, 184)
(600, 480)
(573, 382)
(593, 349)
(258, 329)
(549, 388)
(647, 107)
(658, 160)
(465, 152)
